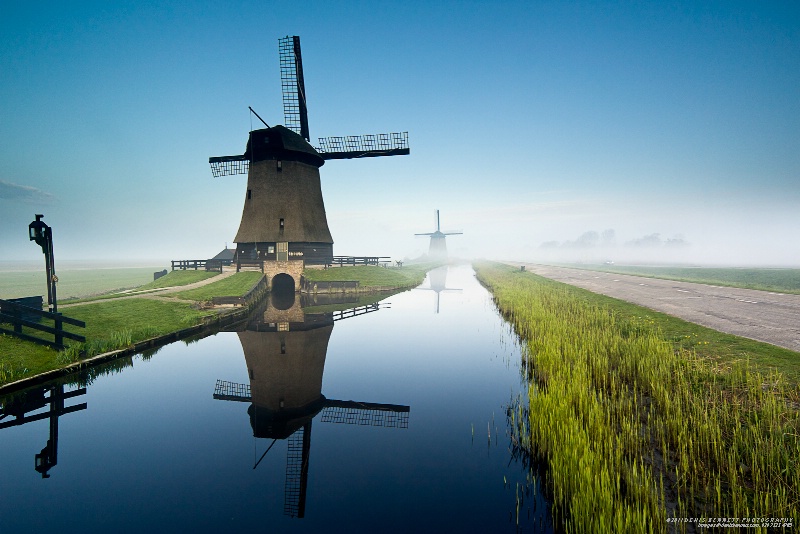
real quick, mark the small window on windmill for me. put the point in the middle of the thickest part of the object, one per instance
(270, 249)
(283, 347)
(279, 165)
(281, 225)
(249, 194)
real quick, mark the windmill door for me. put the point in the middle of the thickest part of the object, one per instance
(283, 252)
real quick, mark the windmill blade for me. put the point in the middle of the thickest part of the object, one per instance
(232, 391)
(365, 413)
(293, 87)
(429, 233)
(294, 491)
(229, 165)
(452, 233)
(364, 146)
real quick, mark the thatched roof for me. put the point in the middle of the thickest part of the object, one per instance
(281, 143)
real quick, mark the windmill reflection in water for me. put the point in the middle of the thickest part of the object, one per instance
(285, 351)
(437, 280)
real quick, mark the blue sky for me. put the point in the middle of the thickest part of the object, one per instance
(529, 122)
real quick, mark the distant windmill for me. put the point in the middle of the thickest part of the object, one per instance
(284, 217)
(438, 246)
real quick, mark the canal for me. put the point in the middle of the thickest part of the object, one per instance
(385, 418)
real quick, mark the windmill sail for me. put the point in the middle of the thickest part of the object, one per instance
(364, 146)
(293, 87)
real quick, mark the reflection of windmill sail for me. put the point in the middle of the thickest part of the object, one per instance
(438, 246)
(437, 278)
(294, 492)
(285, 364)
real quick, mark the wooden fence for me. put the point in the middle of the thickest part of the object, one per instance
(341, 261)
(208, 265)
(20, 316)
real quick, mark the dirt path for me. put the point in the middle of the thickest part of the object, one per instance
(158, 294)
(761, 315)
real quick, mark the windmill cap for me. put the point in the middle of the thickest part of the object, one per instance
(282, 143)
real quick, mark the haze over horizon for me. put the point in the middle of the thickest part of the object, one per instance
(532, 127)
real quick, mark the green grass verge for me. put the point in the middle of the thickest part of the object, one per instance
(373, 277)
(725, 349)
(778, 280)
(635, 427)
(109, 326)
(232, 286)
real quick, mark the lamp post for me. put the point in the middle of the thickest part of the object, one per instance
(43, 235)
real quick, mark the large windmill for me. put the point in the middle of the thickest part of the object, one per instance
(438, 247)
(284, 215)
(285, 363)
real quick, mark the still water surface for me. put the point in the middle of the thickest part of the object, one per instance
(389, 421)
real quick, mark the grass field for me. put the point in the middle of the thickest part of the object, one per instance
(638, 418)
(73, 283)
(778, 280)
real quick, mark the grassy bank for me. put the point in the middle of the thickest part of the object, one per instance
(635, 426)
(778, 280)
(115, 324)
(238, 284)
(374, 278)
(109, 326)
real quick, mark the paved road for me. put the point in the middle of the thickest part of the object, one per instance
(761, 315)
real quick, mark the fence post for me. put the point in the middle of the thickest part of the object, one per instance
(59, 329)
(17, 317)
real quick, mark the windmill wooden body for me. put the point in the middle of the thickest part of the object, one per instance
(438, 246)
(284, 226)
(285, 363)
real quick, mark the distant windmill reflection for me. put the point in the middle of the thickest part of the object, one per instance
(285, 351)
(21, 406)
(437, 279)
